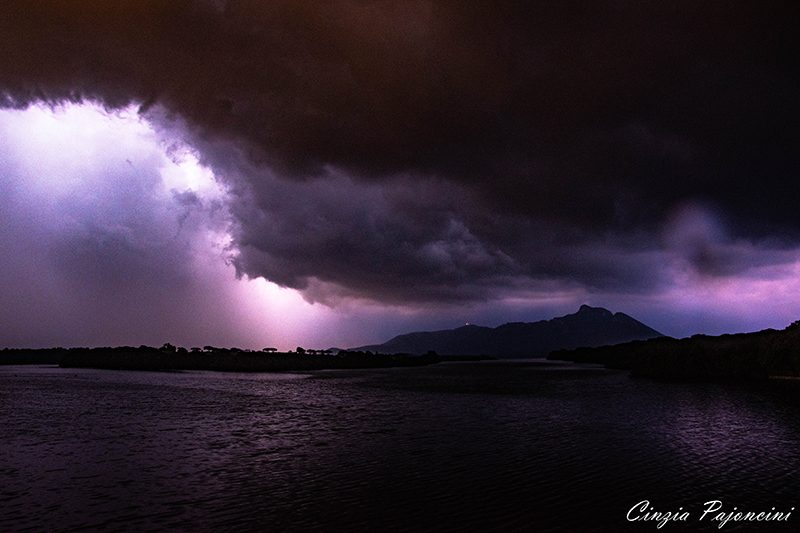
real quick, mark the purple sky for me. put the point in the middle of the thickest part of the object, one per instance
(221, 172)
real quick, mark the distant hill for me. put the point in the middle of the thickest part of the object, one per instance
(590, 326)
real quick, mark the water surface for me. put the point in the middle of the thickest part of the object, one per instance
(491, 446)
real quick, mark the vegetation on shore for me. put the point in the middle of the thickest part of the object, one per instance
(169, 357)
(744, 356)
(31, 356)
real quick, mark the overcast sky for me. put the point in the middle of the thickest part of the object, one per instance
(283, 173)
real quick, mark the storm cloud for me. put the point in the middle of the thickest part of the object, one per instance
(424, 153)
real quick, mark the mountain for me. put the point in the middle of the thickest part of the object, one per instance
(590, 326)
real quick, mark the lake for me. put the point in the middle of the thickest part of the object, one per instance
(488, 446)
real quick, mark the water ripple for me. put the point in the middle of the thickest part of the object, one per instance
(456, 447)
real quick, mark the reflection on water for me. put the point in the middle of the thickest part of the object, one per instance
(493, 446)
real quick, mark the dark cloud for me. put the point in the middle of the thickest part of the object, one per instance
(438, 151)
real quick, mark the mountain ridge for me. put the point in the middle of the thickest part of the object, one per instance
(589, 326)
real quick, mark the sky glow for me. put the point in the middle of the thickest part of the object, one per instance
(78, 169)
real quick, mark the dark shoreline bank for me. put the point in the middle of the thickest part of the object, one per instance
(762, 355)
(221, 360)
